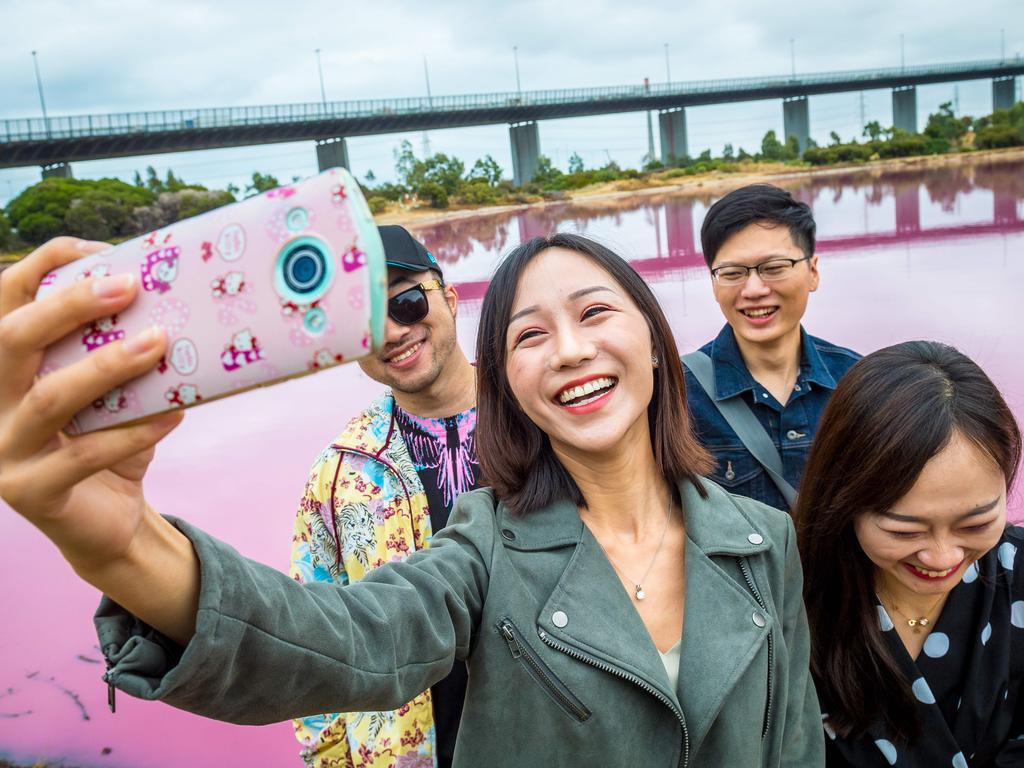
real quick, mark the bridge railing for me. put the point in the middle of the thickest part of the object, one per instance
(127, 123)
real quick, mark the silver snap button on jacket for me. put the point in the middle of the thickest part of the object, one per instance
(559, 619)
(759, 620)
(755, 538)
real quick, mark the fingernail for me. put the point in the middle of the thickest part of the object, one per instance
(112, 287)
(145, 341)
(91, 246)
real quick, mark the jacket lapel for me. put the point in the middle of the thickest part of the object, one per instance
(597, 616)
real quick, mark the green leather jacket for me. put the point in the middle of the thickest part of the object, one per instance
(562, 671)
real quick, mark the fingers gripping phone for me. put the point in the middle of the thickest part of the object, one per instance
(283, 284)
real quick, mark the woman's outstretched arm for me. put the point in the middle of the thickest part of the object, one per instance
(85, 493)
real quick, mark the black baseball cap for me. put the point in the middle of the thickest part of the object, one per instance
(404, 251)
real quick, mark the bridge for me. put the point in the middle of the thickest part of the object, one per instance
(55, 142)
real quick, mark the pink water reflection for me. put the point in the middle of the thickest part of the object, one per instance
(924, 255)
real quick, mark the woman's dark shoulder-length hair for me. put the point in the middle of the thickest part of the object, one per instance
(891, 413)
(515, 455)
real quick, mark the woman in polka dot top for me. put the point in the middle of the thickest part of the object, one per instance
(913, 583)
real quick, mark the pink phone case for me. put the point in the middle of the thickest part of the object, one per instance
(280, 285)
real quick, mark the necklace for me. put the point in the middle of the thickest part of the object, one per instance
(639, 593)
(919, 622)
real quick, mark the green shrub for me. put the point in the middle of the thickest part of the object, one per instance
(78, 206)
(998, 136)
(434, 194)
(192, 202)
(378, 204)
(85, 221)
(6, 236)
(36, 228)
(478, 192)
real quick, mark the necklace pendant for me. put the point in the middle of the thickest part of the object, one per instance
(923, 622)
(639, 592)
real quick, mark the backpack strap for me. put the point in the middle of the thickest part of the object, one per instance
(744, 423)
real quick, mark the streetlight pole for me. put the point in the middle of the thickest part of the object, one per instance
(430, 103)
(320, 69)
(668, 70)
(515, 55)
(39, 85)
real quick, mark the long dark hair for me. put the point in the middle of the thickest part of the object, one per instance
(515, 455)
(892, 412)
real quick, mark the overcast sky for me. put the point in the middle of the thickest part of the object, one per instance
(99, 56)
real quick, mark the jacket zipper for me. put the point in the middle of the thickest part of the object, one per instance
(548, 640)
(745, 567)
(540, 672)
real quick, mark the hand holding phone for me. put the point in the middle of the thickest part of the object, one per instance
(286, 283)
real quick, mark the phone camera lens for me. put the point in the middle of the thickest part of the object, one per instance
(304, 269)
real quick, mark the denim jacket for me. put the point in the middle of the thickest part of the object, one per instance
(791, 426)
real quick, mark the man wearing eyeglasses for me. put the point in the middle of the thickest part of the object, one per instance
(379, 491)
(757, 391)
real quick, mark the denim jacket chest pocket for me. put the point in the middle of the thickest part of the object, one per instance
(739, 472)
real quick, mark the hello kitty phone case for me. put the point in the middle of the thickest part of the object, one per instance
(283, 284)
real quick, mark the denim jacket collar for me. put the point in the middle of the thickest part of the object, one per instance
(733, 378)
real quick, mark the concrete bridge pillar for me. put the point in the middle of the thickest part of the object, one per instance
(679, 228)
(525, 138)
(57, 170)
(1004, 92)
(796, 121)
(672, 129)
(1004, 208)
(908, 209)
(904, 108)
(332, 153)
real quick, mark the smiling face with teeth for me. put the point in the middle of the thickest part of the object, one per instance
(760, 312)
(415, 358)
(579, 356)
(953, 514)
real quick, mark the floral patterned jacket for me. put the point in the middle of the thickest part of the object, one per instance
(363, 506)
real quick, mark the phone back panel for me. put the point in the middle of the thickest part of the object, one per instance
(282, 284)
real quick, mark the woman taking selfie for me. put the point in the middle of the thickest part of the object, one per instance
(614, 607)
(915, 583)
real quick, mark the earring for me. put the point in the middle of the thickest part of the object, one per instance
(654, 360)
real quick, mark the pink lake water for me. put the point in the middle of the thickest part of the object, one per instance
(933, 254)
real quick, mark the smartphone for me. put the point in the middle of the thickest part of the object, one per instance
(280, 285)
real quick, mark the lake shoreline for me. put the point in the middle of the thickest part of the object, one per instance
(700, 185)
(703, 185)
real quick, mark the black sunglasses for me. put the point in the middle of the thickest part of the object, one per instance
(410, 306)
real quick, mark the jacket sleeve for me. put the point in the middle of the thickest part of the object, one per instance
(803, 738)
(267, 648)
(316, 556)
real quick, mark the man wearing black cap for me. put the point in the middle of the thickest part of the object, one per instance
(383, 486)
